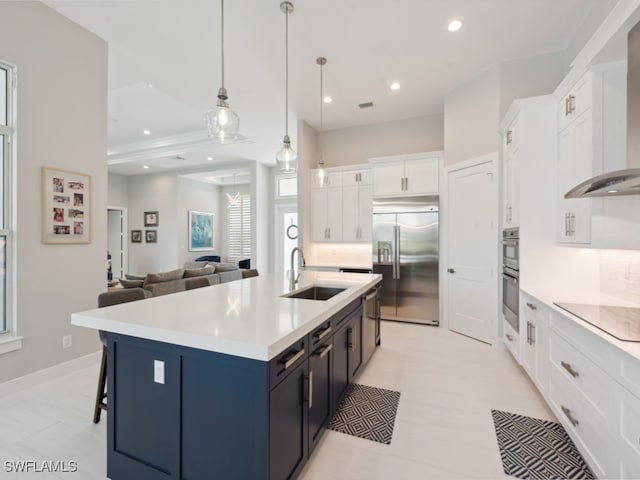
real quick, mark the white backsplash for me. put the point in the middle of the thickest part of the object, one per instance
(339, 254)
(620, 274)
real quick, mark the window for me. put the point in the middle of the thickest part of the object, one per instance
(286, 186)
(7, 132)
(239, 228)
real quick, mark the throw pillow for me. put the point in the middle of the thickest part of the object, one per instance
(164, 276)
(131, 283)
(225, 267)
(129, 276)
(199, 272)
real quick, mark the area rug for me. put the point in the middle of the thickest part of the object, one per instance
(367, 412)
(537, 449)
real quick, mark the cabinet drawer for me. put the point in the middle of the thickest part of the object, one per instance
(511, 340)
(535, 310)
(594, 385)
(287, 361)
(576, 332)
(629, 425)
(630, 374)
(321, 333)
(584, 425)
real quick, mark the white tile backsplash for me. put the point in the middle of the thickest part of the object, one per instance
(339, 254)
(620, 274)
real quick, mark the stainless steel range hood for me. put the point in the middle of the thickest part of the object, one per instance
(627, 181)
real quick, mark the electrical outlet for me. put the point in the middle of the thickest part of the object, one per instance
(67, 341)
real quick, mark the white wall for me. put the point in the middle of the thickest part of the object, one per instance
(157, 192)
(355, 145)
(203, 197)
(471, 118)
(262, 212)
(530, 77)
(118, 193)
(62, 115)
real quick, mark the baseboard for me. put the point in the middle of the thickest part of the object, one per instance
(47, 374)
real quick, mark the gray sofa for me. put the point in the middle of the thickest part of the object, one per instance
(193, 275)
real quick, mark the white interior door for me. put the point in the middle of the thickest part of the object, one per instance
(116, 240)
(472, 250)
(286, 235)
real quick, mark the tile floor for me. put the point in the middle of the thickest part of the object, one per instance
(448, 383)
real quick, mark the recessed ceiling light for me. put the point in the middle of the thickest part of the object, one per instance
(454, 25)
(613, 191)
(394, 86)
(209, 158)
(150, 85)
(146, 132)
(327, 99)
(146, 167)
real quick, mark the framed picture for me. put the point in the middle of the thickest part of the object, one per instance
(66, 206)
(136, 236)
(200, 231)
(151, 236)
(150, 219)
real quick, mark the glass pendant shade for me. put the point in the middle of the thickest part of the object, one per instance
(287, 158)
(222, 122)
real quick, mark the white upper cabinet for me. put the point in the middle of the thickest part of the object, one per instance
(591, 139)
(406, 175)
(341, 208)
(511, 174)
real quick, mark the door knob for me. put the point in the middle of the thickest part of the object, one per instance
(451, 270)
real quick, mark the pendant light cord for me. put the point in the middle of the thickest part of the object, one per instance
(222, 37)
(286, 72)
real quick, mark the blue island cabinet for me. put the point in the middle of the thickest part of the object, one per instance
(182, 413)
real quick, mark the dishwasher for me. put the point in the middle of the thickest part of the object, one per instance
(370, 323)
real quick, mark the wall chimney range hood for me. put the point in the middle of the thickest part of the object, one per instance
(627, 181)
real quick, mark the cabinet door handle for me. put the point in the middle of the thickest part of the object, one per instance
(567, 413)
(329, 232)
(406, 183)
(531, 306)
(509, 136)
(572, 103)
(293, 358)
(528, 332)
(532, 334)
(572, 223)
(451, 270)
(569, 368)
(509, 337)
(352, 339)
(310, 389)
(566, 106)
(322, 333)
(323, 353)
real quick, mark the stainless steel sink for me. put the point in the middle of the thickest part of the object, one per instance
(316, 292)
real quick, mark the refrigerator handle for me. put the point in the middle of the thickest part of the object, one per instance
(396, 263)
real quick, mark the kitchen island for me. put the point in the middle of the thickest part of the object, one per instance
(236, 380)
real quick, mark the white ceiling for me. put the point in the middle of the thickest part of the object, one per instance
(174, 46)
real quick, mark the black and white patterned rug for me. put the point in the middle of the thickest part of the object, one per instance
(367, 412)
(531, 448)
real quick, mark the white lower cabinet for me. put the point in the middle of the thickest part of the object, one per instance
(511, 339)
(589, 384)
(534, 326)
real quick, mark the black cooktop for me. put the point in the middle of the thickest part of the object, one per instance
(622, 323)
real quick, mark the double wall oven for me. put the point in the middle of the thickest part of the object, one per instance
(510, 276)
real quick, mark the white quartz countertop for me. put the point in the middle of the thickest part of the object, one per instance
(549, 298)
(246, 318)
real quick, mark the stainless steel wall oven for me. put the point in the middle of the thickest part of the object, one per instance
(510, 276)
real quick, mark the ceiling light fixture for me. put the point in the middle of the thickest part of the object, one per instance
(146, 167)
(234, 200)
(322, 174)
(222, 122)
(210, 158)
(394, 86)
(287, 158)
(146, 132)
(327, 99)
(454, 25)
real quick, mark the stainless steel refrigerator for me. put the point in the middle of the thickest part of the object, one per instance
(405, 252)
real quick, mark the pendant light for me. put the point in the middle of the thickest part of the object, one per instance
(321, 172)
(222, 122)
(287, 158)
(234, 200)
